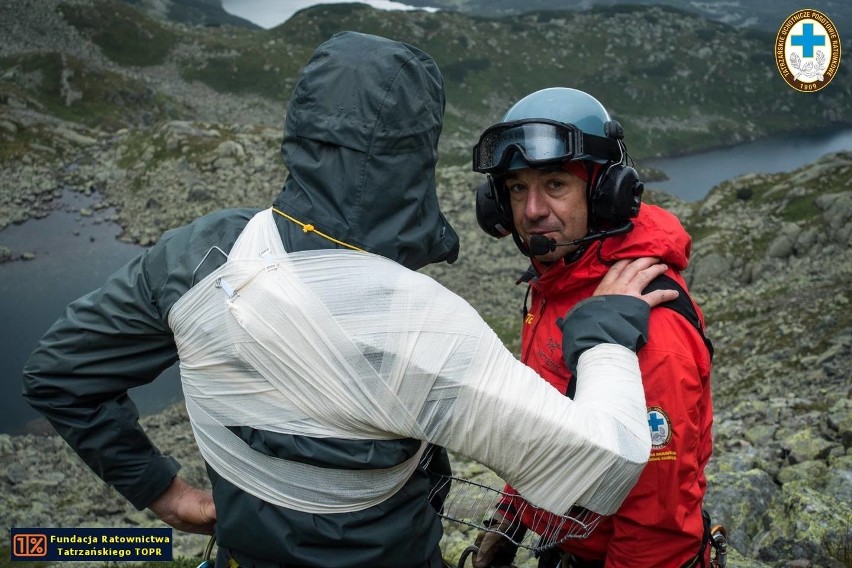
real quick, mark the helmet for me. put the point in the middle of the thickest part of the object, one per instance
(549, 126)
(564, 105)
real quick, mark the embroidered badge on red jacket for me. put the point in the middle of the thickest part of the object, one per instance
(661, 434)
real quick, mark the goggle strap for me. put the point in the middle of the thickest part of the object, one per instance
(600, 147)
(587, 144)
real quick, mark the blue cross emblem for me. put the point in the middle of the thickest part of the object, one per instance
(807, 41)
(655, 421)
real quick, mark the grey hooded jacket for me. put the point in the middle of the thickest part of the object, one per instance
(360, 143)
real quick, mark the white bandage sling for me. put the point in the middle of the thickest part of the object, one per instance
(351, 345)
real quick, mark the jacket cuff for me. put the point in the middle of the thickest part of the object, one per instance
(618, 319)
(152, 483)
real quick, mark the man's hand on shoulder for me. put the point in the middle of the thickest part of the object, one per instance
(629, 277)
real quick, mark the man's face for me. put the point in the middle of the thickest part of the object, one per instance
(548, 203)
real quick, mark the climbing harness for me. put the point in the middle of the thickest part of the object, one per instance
(206, 561)
(719, 542)
(465, 553)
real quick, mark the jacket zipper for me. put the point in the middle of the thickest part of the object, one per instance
(537, 316)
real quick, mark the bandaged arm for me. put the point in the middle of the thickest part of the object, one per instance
(411, 360)
(589, 451)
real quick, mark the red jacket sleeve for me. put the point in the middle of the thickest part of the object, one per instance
(660, 522)
(510, 504)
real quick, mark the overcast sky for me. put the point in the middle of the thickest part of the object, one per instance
(270, 13)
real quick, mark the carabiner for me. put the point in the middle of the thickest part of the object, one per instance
(719, 541)
(472, 549)
(207, 562)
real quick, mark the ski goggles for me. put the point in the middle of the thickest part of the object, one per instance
(539, 142)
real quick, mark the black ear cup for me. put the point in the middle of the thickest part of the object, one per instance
(616, 197)
(491, 214)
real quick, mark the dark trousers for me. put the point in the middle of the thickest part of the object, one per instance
(556, 559)
(226, 559)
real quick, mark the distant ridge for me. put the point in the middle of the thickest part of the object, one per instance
(192, 12)
(764, 15)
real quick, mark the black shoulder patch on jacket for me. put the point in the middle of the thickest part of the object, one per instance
(682, 305)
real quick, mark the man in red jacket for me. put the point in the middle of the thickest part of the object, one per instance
(560, 184)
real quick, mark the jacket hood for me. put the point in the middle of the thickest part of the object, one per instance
(361, 144)
(656, 232)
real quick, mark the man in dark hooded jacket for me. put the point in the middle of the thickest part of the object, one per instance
(360, 144)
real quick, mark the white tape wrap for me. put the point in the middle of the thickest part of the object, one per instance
(352, 345)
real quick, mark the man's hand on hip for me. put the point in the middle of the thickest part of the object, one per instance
(186, 508)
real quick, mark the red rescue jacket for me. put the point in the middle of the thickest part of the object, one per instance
(660, 523)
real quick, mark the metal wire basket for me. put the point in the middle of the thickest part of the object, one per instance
(474, 504)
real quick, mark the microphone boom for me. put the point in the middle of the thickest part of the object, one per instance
(539, 244)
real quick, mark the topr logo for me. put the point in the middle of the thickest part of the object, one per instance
(660, 426)
(807, 50)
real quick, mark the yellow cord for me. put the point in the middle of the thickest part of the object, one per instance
(308, 228)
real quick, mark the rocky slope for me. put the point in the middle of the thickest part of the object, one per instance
(771, 265)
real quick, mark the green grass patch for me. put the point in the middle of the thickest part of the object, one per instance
(243, 73)
(72, 90)
(801, 208)
(458, 71)
(124, 34)
(13, 148)
(33, 141)
(701, 232)
(154, 149)
(248, 62)
(133, 149)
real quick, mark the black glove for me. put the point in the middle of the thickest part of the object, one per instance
(496, 550)
(603, 319)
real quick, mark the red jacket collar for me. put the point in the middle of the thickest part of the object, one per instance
(656, 232)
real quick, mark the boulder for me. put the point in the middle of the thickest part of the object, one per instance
(739, 500)
(807, 526)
